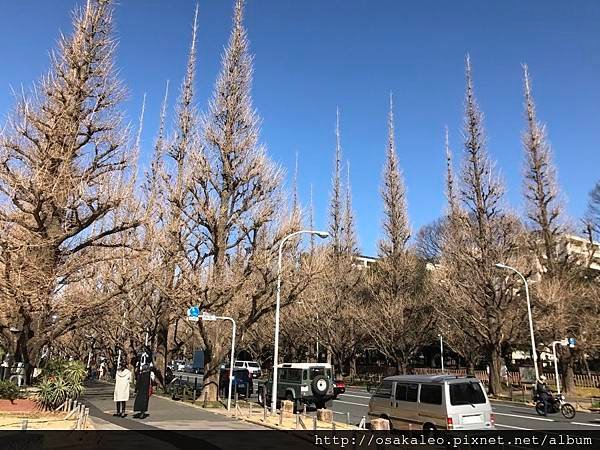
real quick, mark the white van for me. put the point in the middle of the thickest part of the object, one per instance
(432, 402)
(252, 366)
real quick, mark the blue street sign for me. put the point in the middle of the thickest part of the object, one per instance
(193, 311)
(572, 342)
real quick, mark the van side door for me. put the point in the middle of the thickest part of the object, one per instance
(431, 406)
(405, 403)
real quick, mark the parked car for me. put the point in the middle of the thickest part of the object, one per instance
(178, 365)
(301, 383)
(433, 402)
(252, 366)
(339, 387)
(242, 382)
(198, 362)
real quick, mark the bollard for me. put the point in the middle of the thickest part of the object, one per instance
(86, 414)
(250, 409)
(347, 418)
(194, 396)
(297, 421)
(325, 415)
(247, 391)
(333, 426)
(24, 424)
(380, 424)
(280, 417)
(304, 409)
(236, 397)
(315, 423)
(205, 404)
(265, 413)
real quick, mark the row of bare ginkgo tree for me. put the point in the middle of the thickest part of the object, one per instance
(95, 254)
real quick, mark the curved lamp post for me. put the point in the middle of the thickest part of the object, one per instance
(322, 235)
(533, 351)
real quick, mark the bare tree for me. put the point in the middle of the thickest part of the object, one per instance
(63, 178)
(540, 187)
(400, 317)
(232, 211)
(592, 217)
(340, 278)
(480, 235)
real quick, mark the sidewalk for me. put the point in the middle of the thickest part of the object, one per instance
(163, 414)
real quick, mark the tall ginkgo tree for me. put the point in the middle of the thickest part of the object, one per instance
(64, 158)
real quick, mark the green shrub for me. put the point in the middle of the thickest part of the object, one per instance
(61, 380)
(9, 391)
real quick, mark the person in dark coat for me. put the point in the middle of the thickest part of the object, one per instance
(143, 389)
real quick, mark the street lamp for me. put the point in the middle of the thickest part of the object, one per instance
(322, 235)
(441, 350)
(533, 351)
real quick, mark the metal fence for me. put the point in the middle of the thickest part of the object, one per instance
(374, 374)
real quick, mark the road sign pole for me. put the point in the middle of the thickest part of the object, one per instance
(211, 317)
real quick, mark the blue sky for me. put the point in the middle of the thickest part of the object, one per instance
(314, 55)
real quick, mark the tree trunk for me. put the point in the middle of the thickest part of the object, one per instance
(353, 368)
(495, 382)
(470, 368)
(210, 382)
(566, 361)
(400, 367)
(162, 345)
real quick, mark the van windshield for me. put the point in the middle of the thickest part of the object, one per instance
(253, 364)
(466, 393)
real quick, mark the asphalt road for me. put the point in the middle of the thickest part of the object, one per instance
(508, 416)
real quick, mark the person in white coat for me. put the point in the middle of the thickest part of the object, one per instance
(122, 383)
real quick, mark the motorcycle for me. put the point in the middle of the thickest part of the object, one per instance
(556, 404)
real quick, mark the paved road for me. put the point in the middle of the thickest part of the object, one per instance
(508, 416)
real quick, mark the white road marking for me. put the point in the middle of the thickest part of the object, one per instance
(350, 403)
(351, 395)
(510, 426)
(586, 424)
(525, 417)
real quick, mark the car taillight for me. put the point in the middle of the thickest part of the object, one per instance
(449, 423)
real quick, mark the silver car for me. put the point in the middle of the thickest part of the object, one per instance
(432, 402)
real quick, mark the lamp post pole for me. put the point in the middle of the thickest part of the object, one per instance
(533, 351)
(556, 365)
(321, 234)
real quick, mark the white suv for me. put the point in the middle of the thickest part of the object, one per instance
(252, 366)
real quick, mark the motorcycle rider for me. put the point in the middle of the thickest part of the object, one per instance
(543, 393)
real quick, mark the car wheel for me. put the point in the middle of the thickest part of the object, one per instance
(320, 385)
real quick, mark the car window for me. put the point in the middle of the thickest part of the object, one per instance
(431, 393)
(469, 393)
(282, 374)
(305, 375)
(384, 390)
(253, 364)
(406, 392)
(239, 364)
(314, 371)
(294, 375)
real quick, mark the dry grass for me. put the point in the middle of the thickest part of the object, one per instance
(37, 421)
